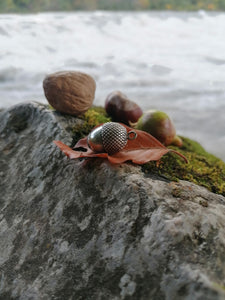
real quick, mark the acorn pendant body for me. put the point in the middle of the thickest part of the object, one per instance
(110, 137)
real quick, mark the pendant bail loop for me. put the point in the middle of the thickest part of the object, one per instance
(131, 135)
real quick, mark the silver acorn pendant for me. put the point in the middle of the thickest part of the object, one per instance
(110, 137)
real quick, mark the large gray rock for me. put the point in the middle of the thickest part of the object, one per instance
(71, 229)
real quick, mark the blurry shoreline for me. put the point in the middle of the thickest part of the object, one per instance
(162, 60)
(29, 6)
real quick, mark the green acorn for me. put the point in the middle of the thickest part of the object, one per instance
(158, 124)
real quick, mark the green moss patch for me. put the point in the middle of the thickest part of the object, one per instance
(96, 115)
(203, 168)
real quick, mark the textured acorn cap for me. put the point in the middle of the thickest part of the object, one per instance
(70, 92)
(114, 137)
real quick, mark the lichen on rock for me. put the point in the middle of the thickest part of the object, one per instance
(74, 229)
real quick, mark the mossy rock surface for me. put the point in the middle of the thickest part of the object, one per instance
(203, 168)
(96, 115)
(90, 230)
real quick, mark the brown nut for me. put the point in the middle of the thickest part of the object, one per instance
(70, 92)
(121, 109)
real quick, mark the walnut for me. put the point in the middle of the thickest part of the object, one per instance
(70, 92)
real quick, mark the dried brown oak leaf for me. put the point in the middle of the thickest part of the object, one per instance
(140, 150)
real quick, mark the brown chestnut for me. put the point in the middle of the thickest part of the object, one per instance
(121, 109)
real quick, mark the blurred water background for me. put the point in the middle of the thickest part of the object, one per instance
(172, 61)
